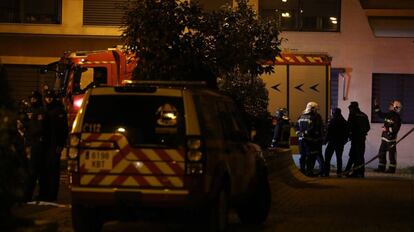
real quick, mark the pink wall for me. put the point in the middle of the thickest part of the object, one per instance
(356, 49)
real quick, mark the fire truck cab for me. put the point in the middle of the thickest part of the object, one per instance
(78, 71)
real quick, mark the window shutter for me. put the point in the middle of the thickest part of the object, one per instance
(103, 12)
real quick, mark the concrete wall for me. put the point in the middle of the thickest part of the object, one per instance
(357, 50)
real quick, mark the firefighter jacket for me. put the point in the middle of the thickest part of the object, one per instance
(358, 125)
(337, 130)
(281, 136)
(310, 127)
(57, 126)
(36, 125)
(392, 124)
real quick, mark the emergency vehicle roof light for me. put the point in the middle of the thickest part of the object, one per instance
(164, 83)
(138, 88)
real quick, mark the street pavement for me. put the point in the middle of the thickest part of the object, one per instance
(378, 202)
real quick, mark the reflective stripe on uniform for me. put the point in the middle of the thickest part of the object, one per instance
(388, 140)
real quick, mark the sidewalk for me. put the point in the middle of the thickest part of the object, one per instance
(379, 202)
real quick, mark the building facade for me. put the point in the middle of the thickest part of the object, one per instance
(371, 45)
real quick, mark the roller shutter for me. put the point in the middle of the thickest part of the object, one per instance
(23, 79)
(103, 12)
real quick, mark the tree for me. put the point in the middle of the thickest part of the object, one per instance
(177, 40)
(164, 37)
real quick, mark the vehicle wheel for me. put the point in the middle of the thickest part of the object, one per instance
(86, 219)
(255, 208)
(219, 212)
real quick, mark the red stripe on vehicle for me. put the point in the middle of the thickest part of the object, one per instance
(163, 155)
(119, 180)
(141, 180)
(98, 177)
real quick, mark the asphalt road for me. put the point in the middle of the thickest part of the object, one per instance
(376, 203)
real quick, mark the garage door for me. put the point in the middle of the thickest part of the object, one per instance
(23, 79)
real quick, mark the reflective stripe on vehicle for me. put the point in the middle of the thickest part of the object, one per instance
(126, 166)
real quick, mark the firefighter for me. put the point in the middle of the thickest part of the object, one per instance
(336, 138)
(36, 147)
(359, 126)
(392, 124)
(281, 132)
(309, 129)
(56, 132)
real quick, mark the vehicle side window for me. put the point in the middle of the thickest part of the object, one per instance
(85, 78)
(209, 117)
(233, 126)
(100, 75)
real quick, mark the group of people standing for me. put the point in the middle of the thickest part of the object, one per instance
(313, 134)
(43, 129)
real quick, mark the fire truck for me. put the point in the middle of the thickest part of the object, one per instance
(299, 78)
(78, 71)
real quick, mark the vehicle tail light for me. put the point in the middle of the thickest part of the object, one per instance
(195, 156)
(77, 102)
(73, 152)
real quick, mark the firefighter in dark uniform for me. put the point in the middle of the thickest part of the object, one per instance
(336, 138)
(36, 147)
(358, 129)
(392, 124)
(309, 129)
(281, 132)
(56, 133)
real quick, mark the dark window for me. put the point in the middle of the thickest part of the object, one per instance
(103, 12)
(232, 124)
(29, 11)
(100, 75)
(387, 87)
(335, 74)
(145, 120)
(209, 117)
(303, 15)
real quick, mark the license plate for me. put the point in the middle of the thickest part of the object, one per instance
(98, 159)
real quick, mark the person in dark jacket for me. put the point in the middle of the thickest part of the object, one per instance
(390, 129)
(36, 147)
(56, 135)
(281, 133)
(336, 137)
(309, 129)
(359, 126)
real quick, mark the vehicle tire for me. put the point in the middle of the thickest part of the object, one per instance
(255, 208)
(86, 219)
(219, 212)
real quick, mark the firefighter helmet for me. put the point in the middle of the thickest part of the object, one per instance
(35, 96)
(282, 113)
(397, 106)
(311, 107)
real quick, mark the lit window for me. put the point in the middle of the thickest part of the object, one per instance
(303, 15)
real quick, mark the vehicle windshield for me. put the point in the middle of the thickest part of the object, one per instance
(82, 77)
(62, 74)
(146, 121)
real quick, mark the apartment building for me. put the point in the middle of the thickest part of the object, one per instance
(371, 43)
